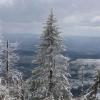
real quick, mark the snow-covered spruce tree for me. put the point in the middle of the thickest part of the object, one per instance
(11, 80)
(94, 91)
(49, 81)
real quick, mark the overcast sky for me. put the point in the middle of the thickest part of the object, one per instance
(75, 17)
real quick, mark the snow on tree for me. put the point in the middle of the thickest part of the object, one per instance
(81, 78)
(10, 78)
(2, 47)
(94, 91)
(49, 81)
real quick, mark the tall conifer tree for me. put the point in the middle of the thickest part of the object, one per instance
(50, 80)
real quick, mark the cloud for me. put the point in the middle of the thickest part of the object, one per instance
(81, 24)
(73, 20)
(82, 20)
(74, 16)
(6, 2)
(95, 21)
